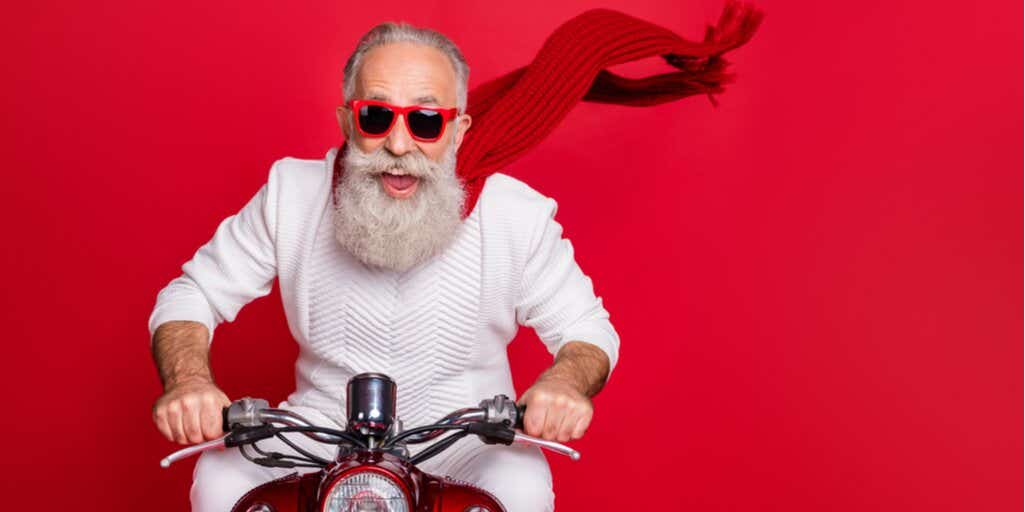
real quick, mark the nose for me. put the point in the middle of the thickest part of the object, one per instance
(399, 141)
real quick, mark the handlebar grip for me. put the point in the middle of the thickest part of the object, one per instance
(521, 410)
(224, 420)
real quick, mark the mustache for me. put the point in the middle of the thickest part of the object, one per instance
(413, 163)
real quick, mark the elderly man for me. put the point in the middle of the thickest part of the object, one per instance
(380, 272)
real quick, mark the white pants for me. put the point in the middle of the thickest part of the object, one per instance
(517, 475)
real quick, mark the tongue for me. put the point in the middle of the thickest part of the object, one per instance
(399, 182)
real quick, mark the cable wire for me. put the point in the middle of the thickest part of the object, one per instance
(322, 461)
(427, 428)
(437, 448)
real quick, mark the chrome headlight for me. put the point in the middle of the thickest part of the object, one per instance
(366, 491)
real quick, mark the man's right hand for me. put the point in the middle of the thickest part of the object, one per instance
(190, 411)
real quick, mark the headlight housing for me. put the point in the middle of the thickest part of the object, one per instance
(366, 491)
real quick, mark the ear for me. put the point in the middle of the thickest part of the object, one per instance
(463, 122)
(343, 121)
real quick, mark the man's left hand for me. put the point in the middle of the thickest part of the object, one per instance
(556, 410)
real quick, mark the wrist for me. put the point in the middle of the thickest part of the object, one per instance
(187, 381)
(563, 376)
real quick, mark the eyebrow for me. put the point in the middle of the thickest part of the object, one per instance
(421, 100)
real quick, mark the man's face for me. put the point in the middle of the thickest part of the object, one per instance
(406, 74)
(399, 201)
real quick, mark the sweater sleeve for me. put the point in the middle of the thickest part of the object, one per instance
(235, 267)
(557, 299)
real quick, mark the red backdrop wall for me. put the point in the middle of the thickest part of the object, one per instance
(818, 285)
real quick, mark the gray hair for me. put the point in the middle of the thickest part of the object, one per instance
(391, 32)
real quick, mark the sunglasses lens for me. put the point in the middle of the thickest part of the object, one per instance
(426, 124)
(375, 119)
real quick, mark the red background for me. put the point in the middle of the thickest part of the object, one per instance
(818, 285)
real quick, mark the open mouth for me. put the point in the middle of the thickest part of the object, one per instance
(399, 186)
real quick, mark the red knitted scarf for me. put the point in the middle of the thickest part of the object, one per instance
(514, 112)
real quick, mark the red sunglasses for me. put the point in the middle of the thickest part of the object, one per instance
(376, 118)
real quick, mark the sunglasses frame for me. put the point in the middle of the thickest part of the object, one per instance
(447, 114)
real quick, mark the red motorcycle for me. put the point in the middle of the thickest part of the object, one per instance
(373, 471)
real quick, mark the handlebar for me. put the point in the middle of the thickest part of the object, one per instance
(521, 411)
(254, 412)
(249, 420)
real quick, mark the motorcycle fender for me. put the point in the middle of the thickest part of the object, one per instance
(290, 493)
(449, 495)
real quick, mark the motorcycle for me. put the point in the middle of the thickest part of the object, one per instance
(373, 470)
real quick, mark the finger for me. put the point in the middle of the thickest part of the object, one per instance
(581, 426)
(569, 420)
(174, 422)
(574, 415)
(211, 421)
(160, 418)
(553, 421)
(534, 421)
(191, 411)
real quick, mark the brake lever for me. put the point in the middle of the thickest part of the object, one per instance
(544, 443)
(238, 436)
(503, 433)
(189, 451)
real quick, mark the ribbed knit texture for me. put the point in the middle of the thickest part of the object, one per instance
(439, 329)
(516, 111)
(420, 327)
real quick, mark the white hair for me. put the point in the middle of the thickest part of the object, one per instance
(402, 32)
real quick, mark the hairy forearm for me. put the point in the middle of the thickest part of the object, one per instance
(582, 365)
(181, 351)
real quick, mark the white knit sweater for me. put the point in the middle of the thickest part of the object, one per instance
(439, 329)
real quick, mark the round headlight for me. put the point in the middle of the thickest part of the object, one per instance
(366, 491)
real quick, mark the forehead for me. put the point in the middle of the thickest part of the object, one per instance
(403, 71)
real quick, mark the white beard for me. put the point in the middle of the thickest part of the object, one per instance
(391, 233)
